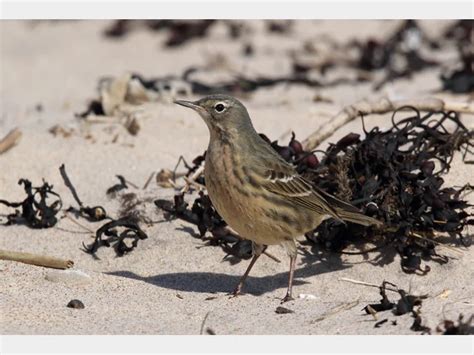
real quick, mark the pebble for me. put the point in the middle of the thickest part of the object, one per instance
(75, 304)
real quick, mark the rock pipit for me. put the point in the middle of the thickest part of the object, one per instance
(256, 191)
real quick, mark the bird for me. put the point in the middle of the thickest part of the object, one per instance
(257, 193)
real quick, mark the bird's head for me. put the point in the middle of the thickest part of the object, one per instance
(222, 113)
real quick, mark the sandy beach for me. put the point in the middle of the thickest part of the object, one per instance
(173, 281)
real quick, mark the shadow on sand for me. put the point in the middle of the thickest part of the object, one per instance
(211, 282)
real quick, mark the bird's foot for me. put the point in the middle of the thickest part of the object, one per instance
(235, 293)
(287, 298)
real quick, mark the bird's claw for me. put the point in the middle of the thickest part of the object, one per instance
(287, 298)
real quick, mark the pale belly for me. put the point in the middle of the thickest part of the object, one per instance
(246, 215)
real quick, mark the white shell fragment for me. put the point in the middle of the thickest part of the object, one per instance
(307, 296)
(68, 276)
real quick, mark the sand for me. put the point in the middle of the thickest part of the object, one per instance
(171, 282)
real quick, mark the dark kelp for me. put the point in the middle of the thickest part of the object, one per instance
(179, 31)
(461, 327)
(38, 209)
(121, 185)
(110, 235)
(395, 176)
(407, 303)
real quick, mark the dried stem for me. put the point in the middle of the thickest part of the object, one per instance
(381, 106)
(357, 282)
(192, 179)
(10, 140)
(34, 259)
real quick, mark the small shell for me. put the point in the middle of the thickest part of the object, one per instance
(307, 296)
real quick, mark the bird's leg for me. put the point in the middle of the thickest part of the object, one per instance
(257, 251)
(289, 296)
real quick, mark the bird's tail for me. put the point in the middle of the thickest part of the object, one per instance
(348, 212)
(357, 217)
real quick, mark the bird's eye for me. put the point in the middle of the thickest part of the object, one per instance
(219, 107)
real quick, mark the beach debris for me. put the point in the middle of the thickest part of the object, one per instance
(279, 26)
(121, 185)
(115, 234)
(283, 310)
(93, 214)
(35, 259)
(336, 310)
(75, 277)
(307, 296)
(38, 209)
(399, 54)
(208, 330)
(10, 140)
(76, 304)
(406, 304)
(134, 207)
(384, 304)
(395, 176)
(460, 79)
(59, 130)
(381, 106)
(461, 327)
(164, 178)
(179, 31)
(379, 323)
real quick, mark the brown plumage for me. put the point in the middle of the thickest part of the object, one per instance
(256, 191)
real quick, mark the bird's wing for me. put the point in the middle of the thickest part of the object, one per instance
(283, 180)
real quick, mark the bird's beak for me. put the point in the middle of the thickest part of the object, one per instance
(189, 104)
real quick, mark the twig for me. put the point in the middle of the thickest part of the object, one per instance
(381, 106)
(34, 259)
(79, 224)
(10, 140)
(340, 308)
(416, 235)
(366, 284)
(191, 179)
(273, 257)
(131, 184)
(148, 180)
(193, 183)
(203, 322)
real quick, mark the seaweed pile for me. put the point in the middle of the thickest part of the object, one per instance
(461, 79)
(392, 175)
(42, 204)
(38, 209)
(116, 231)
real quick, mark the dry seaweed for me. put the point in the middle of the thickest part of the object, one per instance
(461, 327)
(121, 185)
(108, 235)
(398, 54)
(94, 214)
(38, 209)
(384, 304)
(179, 31)
(395, 176)
(405, 304)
